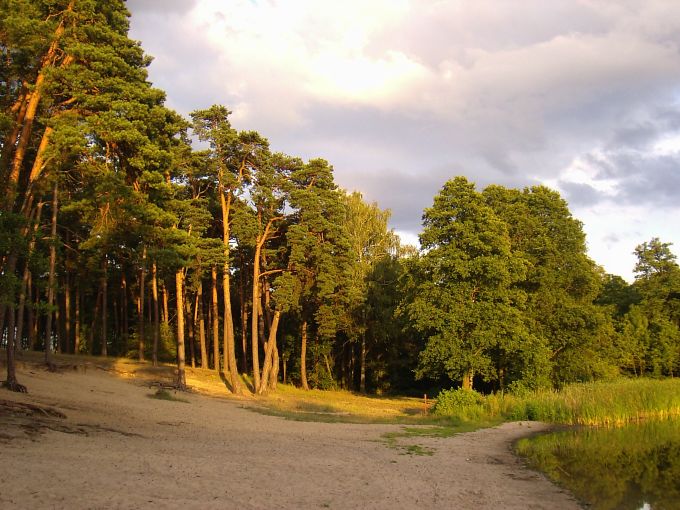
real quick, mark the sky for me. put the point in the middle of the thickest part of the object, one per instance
(401, 95)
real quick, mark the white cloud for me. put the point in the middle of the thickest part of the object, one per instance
(401, 95)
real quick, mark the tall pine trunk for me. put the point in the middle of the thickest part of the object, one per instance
(26, 279)
(140, 306)
(179, 286)
(303, 356)
(228, 327)
(156, 321)
(104, 292)
(254, 321)
(31, 316)
(362, 374)
(191, 329)
(215, 320)
(78, 327)
(244, 323)
(67, 314)
(11, 383)
(124, 312)
(90, 341)
(51, 277)
(166, 310)
(199, 318)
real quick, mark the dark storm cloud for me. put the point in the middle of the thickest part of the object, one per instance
(648, 179)
(182, 65)
(405, 195)
(580, 194)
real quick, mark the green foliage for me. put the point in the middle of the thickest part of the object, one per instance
(464, 295)
(457, 402)
(599, 403)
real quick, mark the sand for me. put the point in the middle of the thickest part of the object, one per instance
(101, 442)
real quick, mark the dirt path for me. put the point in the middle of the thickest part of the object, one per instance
(117, 448)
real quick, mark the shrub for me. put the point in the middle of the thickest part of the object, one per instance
(462, 403)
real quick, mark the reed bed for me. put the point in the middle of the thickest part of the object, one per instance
(606, 403)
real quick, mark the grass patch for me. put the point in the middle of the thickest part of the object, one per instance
(339, 406)
(606, 403)
(163, 394)
(401, 440)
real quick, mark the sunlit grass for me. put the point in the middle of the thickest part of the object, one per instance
(343, 406)
(606, 403)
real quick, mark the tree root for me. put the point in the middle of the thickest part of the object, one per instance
(14, 386)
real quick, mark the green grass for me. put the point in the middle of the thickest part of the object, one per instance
(343, 407)
(163, 394)
(402, 440)
(611, 403)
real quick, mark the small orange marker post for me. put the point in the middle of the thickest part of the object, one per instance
(425, 402)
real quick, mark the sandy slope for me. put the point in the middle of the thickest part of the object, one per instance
(117, 448)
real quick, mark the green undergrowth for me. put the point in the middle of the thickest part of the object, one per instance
(607, 403)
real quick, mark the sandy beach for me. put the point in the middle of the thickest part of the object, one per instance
(93, 440)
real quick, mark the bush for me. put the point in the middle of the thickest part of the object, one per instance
(459, 402)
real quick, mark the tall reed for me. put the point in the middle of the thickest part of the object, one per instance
(609, 403)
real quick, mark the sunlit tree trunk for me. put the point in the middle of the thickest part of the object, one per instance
(191, 330)
(26, 280)
(67, 314)
(199, 318)
(156, 321)
(265, 383)
(215, 320)
(228, 326)
(303, 356)
(244, 323)
(467, 379)
(179, 285)
(140, 306)
(104, 291)
(362, 374)
(77, 329)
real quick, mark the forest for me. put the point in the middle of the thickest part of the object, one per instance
(129, 230)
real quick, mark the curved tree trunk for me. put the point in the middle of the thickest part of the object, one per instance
(269, 355)
(228, 327)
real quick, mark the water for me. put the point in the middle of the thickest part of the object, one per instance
(632, 467)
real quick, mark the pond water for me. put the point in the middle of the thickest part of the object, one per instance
(632, 467)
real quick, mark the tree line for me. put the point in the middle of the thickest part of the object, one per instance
(119, 237)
